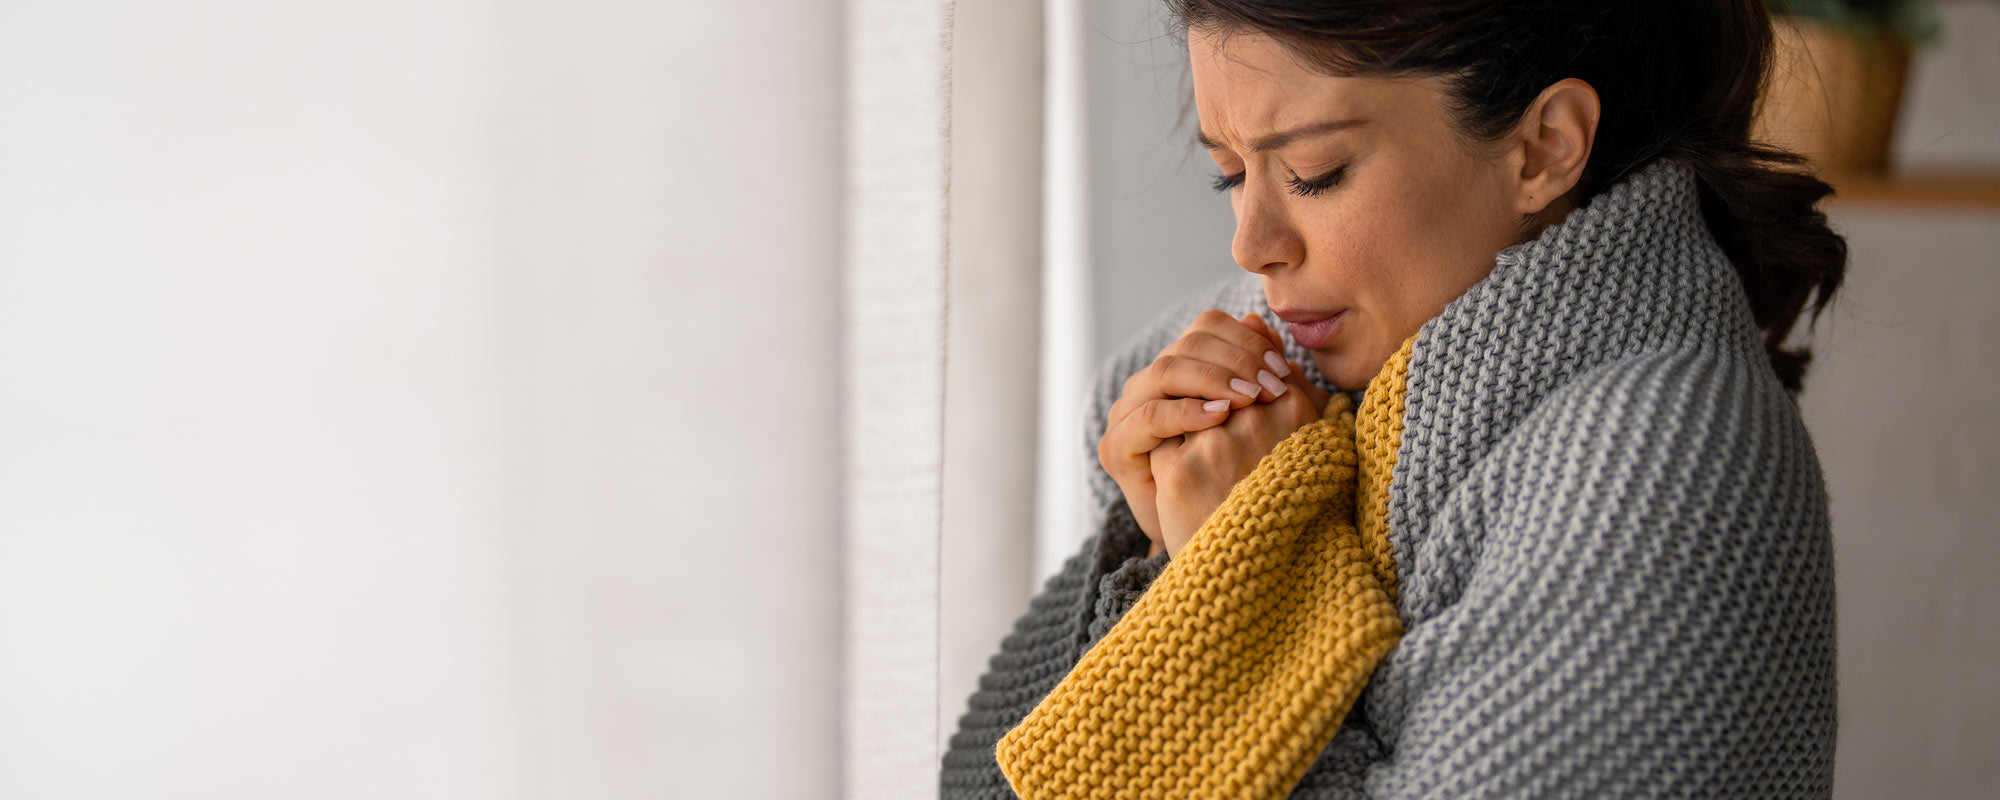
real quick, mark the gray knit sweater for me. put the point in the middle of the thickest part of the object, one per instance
(1608, 522)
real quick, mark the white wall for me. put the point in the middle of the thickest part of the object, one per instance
(378, 387)
(671, 218)
(1157, 229)
(1900, 402)
(253, 485)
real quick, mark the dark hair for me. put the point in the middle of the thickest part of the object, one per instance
(1674, 80)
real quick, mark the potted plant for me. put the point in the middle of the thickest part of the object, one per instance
(1837, 78)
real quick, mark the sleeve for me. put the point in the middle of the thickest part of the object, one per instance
(1648, 611)
(1042, 647)
(1127, 582)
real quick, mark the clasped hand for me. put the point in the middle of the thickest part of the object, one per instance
(1199, 418)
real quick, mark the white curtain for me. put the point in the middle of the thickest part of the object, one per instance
(991, 375)
(897, 112)
(1068, 329)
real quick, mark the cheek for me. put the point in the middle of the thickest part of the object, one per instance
(1399, 253)
(1437, 238)
(1384, 252)
(1371, 263)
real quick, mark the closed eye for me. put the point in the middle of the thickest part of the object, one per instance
(1313, 187)
(1300, 186)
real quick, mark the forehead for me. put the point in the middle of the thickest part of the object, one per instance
(1246, 84)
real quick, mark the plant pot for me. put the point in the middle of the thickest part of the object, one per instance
(1834, 94)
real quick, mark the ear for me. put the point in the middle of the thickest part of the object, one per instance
(1552, 143)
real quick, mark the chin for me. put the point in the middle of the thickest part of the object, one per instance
(1339, 372)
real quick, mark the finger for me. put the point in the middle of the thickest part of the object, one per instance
(1311, 391)
(1246, 369)
(1255, 431)
(1242, 335)
(1298, 380)
(1142, 496)
(1135, 481)
(1127, 444)
(1255, 322)
(1244, 373)
(1244, 423)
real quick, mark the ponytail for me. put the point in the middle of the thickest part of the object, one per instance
(1766, 217)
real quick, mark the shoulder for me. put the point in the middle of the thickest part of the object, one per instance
(1698, 439)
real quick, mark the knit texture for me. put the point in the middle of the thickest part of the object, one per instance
(1378, 433)
(1227, 678)
(1608, 528)
(1120, 589)
(1097, 583)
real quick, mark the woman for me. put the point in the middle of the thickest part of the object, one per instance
(1582, 546)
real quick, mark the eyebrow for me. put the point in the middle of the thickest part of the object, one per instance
(1277, 140)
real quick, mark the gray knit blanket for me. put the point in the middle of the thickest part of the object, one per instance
(1609, 528)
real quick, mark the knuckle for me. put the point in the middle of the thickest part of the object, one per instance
(1213, 375)
(1148, 415)
(1192, 415)
(1200, 338)
(1298, 404)
(1245, 363)
(1205, 450)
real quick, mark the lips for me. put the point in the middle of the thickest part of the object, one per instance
(1312, 328)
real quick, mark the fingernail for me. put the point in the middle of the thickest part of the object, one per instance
(1215, 406)
(1277, 364)
(1272, 383)
(1245, 388)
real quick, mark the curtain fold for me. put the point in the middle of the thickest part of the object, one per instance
(991, 378)
(896, 208)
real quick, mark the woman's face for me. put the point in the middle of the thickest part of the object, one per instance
(1373, 209)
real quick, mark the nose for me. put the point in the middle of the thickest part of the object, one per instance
(1266, 240)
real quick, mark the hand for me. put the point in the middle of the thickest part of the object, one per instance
(1216, 361)
(1195, 473)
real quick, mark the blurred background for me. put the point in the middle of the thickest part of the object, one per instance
(632, 400)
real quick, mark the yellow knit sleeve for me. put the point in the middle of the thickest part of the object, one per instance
(1230, 675)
